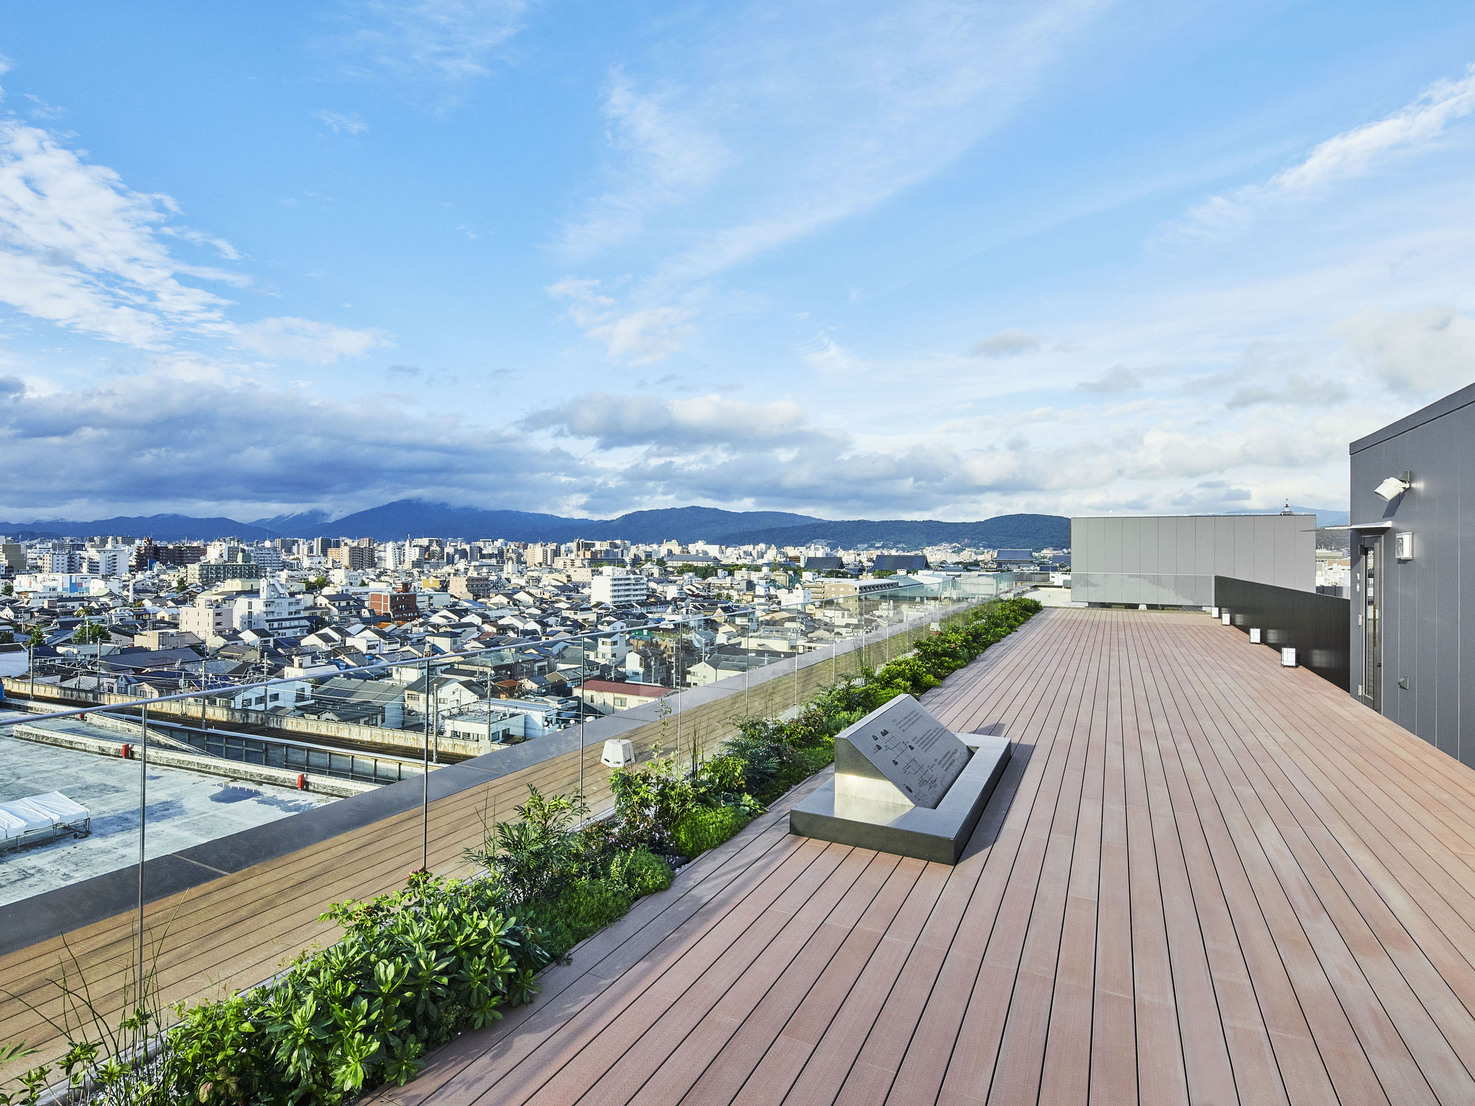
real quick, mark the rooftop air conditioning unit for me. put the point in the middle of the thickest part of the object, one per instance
(618, 753)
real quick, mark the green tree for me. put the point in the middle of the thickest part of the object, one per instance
(317, 583)
(36, 637)
(89, 633)
(7, 588)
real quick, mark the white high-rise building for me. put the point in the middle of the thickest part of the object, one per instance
(616, 589)
(272, 611)
(114, 560)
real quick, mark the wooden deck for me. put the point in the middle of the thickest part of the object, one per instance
(1204, 879)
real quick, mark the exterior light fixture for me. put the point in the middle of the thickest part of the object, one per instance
(1391, 488)
(1403, 545)
(1288, 656)
(1254, 635)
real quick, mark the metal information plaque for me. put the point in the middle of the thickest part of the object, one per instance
(907, 746)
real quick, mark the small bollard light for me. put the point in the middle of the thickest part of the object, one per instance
(1224, 618)
(1288, 656)
(1254, 635)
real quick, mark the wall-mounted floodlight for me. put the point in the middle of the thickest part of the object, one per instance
(1391, 488)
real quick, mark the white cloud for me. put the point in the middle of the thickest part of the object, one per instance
(639, 337)
(79, 249)
(667, 157)
(306, 340)
(702, 422)
(1006, 343)
(1411, 130)
(148, 444)
(1114, 381)
(446, 43)
(341, 123)
(1413, 351)
(825, 354)
(795, 118)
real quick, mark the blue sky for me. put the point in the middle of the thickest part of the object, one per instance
(932, 259)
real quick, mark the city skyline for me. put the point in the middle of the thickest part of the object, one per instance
(945, 261)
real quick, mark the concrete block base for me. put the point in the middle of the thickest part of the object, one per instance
(928, 834)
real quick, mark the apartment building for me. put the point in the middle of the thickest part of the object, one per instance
(616, 589)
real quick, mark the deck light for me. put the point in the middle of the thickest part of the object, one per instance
(1391, 488)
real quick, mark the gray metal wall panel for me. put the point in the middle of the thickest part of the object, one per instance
(1204, 556)
(1262, 554)
(1426, 637)
(1185, 558)
(1172, 560)
(1224, 553)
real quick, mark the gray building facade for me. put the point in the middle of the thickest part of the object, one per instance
(1171, 560)
(1409, 583)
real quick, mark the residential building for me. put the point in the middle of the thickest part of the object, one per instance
(64, 561)
(114, 560)
(398, 603)
(272, 611)
(614, 695)
(617, 589)
(209, 573)
(205, 619)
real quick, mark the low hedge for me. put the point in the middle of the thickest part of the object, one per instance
(411, 971)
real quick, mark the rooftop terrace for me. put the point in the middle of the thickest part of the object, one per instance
(1204, 878)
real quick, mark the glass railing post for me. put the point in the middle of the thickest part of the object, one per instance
(425, 774)
(143, 797)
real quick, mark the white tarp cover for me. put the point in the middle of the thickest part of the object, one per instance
(38, 812)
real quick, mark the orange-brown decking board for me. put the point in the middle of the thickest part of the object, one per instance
(1204, 878)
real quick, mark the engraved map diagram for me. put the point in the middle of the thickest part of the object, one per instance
(912, 749)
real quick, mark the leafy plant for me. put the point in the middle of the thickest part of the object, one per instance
(649, 801)
(707, 827)
(640, 872)
(538, 853)
(411, 970)
(582, 909)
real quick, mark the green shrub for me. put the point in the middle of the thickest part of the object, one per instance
(707, 827)
(539, 853)
(640, 872)
(411, 970)
(649, 801)
(584, 908)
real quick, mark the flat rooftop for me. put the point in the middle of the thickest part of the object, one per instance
(1204, 878)
(184, 808)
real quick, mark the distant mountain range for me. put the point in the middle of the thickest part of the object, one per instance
(160, 527)
(417, 518)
